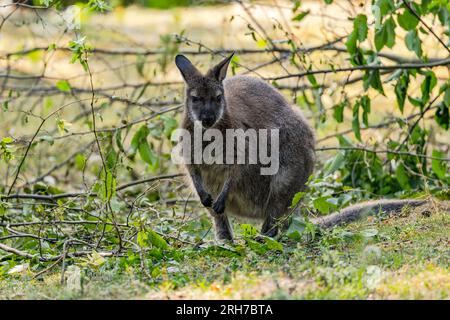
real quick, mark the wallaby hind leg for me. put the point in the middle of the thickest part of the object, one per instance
(222, 227)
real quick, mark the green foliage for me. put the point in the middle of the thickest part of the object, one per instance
(63, 86)
(6, 150)
(148, 233)
(408, 20)
(414, 43)
(385, 35)
(299, 17)
(359, 33)
(140, 143)
(80, 52)
(149, 237)
(401, 89)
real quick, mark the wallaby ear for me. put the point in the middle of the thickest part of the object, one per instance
(219, 72)
(187, 69)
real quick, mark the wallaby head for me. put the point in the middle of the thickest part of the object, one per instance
(205, 100)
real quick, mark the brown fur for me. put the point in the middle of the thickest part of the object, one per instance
(239, 190)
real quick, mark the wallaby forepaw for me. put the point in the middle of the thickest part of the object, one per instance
(219, 207)
(206, 200)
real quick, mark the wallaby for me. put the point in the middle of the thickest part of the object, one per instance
(243, 102)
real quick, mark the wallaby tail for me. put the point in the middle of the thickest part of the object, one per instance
(364, 209)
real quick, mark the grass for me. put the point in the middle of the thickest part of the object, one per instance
(395, 257)
(405, 256)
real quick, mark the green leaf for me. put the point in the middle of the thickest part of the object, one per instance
(48, 139)
(298, 196)
(312, 79)
(439, 167)
(259, 248)
(359, 33)
(299, 17)
(447, 95)
(344, 141)
(401, 89)
(376, 11)
(7, 140)
(407, 20)
(118, 138)
(351, 43)
(402, 177)
(111, 158)
(338, 111)
(248, 230)
(360, 27)
(80, 161)
(355, 121)
(142, 238)
(296, 228)
(337, 163)
(413, 42)
(442, 116)
(389, 25)
(107, 188)
(365, 103)
(139, 137)
(170, 124)
(415, 101)
(372, 78)
(147, 153)
(427, 86)
(385, 6)
(156, 240)
(5, 149)
(273, 244)
(324, 204)
(63, 86)
(380, 38)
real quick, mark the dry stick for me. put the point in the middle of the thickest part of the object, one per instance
(54, 264)
(82, 222)
(85, 194)
(63, 256)
(422, 114)
(17, 252)
(59, 165)
(384, 151)
(94, 128)
(426, 25)
(326, 47)
(54, 258)
(124, 126)
(410, 130)
(31, 142)
(442, 62)
(375, 126)
(7, 17)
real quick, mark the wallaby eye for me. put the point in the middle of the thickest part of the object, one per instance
(196, 99)
(219, 98)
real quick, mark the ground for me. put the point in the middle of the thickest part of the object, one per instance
(391, 257)
(402, 256)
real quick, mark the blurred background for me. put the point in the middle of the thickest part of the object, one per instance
(89, 97)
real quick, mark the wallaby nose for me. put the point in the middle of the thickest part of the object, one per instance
(208, 120)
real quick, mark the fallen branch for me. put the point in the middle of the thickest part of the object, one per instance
(438, 63)
(53, 197)
(403, 153)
